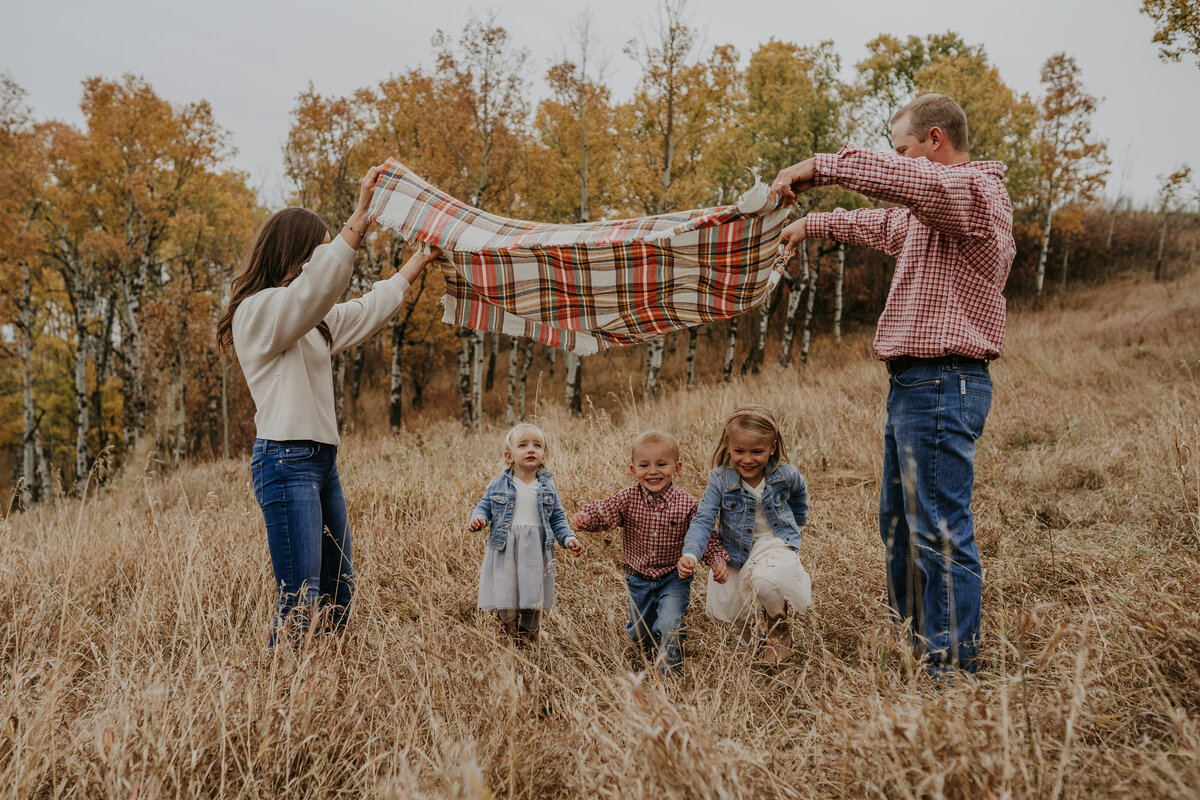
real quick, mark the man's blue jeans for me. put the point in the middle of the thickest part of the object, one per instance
(935, 412)
(656, 609)
(297, 486)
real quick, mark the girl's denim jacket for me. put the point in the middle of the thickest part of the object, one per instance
(500, 500)
(785, 505)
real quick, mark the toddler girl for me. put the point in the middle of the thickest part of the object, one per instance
(760, 501)
(517, 577)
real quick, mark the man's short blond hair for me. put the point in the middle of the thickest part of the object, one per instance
(654, 435)
(936, 111)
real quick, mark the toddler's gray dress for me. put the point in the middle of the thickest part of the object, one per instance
(522, 574)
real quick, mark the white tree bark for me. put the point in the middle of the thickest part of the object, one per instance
(799, 287)
(730, 350)
(476, 380)
(808, 311)
(1041, 267)
(573, 363)
(654, 359)
(510, 409)
(31, 487)
(526, 360)
(466, 342)
(837, 290)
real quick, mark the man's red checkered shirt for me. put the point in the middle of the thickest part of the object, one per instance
(652, 527)
(952, 241)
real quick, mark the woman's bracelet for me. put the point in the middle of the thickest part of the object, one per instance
(363, 232)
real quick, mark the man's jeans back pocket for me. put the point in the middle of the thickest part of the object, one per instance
(975, 396)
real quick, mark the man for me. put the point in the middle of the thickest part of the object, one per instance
(942, 323)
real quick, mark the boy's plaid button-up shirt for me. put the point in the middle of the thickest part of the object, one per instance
(953, 243)
(652, 527)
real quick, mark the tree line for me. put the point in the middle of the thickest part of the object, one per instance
(118, 238)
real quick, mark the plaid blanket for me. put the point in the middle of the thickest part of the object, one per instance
(593, 285)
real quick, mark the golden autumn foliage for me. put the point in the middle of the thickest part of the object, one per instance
(136, 222)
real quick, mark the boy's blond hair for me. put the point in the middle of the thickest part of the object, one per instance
(514, 433)
(756, 421)
(654, 435)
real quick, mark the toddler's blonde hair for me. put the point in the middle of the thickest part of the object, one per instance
(756, 421)
(654, 435)
(514, 433)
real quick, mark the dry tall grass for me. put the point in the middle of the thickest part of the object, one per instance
(132, 625)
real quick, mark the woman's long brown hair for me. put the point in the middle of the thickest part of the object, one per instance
(281, 247)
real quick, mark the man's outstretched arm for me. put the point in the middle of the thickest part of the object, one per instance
(951, 200)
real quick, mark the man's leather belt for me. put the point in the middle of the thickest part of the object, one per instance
(900, 363)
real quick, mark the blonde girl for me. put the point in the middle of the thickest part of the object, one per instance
(759, 502)
(517, 577)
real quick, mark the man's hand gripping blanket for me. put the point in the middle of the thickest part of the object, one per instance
(592, 285)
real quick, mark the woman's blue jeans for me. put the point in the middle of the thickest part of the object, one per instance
(656, 610)
(297, 486)
(935, 412)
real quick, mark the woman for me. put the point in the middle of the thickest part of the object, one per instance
(285, 324)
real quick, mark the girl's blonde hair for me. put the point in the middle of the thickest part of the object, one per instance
(756, 421)
(514, 433)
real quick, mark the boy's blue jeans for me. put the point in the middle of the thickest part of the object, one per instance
(656, 610)
(297, 486)
(935, 412)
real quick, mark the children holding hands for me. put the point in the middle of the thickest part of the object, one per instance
(516, 579)
(654, 516)
(746, 527)
(759, 502)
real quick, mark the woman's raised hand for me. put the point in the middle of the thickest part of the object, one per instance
(355, 228)
(366, 189)
(418, 261)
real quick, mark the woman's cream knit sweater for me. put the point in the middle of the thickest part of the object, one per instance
(285, 358)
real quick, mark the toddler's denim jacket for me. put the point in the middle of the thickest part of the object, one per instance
(500, 500)
(785, 505)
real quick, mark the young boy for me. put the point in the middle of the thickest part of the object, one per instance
(654, 516)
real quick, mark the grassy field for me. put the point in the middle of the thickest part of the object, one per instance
(133, 625)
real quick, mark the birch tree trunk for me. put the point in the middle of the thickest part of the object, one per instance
(31, 489)
(813, 274)
(133, 400)
(175, 443)
(83, 454)
(573, 363)
(1041, 267)
(466, 342)
(396, 379)
(837, 290)
(654, 359)
(799, 286)
(730, 350)
(510, 408)
(476, 380)
(102, 358)
(526, 360)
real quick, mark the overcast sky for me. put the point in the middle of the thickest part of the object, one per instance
(251, 58)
